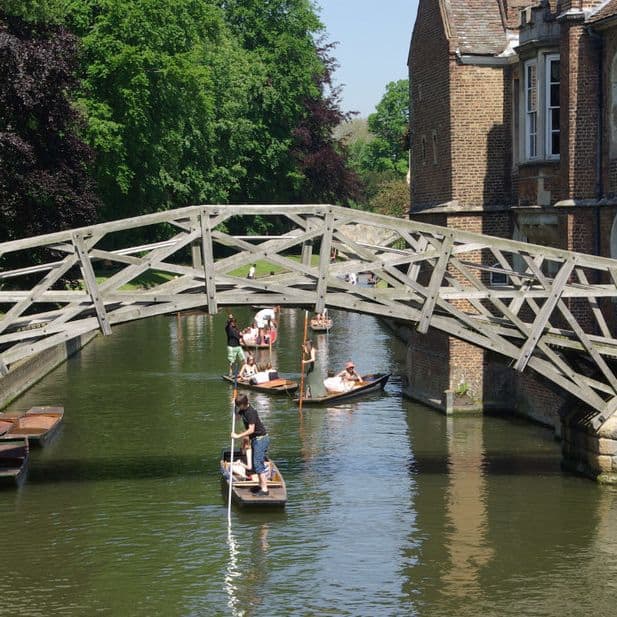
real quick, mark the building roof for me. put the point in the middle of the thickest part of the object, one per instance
(476, 26)
(603, 11)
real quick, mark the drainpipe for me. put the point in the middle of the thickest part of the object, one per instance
(599, 43)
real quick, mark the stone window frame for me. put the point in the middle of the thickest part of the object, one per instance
(543, 128)
(531, 110)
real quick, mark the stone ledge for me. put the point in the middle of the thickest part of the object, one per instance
(25, 374)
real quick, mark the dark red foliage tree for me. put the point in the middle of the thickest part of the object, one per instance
(44, 181)
(321, 157)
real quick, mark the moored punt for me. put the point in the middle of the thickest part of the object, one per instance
(241, 492)
(5, 425)
(14, 454)
(321, 325)
(38, 425)
(274, 386)
(370, 383)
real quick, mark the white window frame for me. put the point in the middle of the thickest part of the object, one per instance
(548, 108)
(531, 137)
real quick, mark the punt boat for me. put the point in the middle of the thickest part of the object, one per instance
(321, 325)
(14, 455)
(274, 386)
(38, 424)
(241, 493)
(370, 383)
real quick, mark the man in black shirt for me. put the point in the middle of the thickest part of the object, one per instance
(260, 440)
(234, 349)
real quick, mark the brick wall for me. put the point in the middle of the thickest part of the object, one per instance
(481, 135)
(579, 117)
(430, 103)
(532, 179)
(609, 121)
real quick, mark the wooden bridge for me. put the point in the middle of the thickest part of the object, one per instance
(543, 308)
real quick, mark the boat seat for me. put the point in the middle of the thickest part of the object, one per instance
(273, 383)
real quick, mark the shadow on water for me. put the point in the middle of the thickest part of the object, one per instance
(518, 464)
(143, 467)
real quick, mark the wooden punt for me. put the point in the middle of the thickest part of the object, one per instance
(321, 325)
(370, 383)
(14, 455)
(241, 493)
(38, 425)
(274, 386)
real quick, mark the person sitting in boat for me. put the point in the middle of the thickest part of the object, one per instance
(343, 381)
(250, 335)
(249, 368)
(264, 374)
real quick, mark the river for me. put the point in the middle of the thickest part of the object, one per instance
(393, 508)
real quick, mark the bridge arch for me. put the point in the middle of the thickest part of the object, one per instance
(430, 276)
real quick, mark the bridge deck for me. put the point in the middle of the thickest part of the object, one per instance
(544, 308)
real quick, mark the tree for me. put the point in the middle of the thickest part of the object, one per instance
(44, 166)
(165, 93)
(279, 38)
(390, 122)
(321, 157)
(392, 198)
(387, 149)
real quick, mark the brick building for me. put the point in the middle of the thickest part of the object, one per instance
(514, 134)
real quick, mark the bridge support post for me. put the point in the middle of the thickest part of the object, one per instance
(307, 252)
(588, 452)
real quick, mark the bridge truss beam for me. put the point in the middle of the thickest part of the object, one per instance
(532, 304)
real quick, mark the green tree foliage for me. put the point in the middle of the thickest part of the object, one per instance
(164, 92)
(279, 39)
(42, 11)
(392, 198)
(201, 101)
(387, 150)
(390, 122)
(381, 160)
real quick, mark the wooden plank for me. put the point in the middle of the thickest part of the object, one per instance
(414, 268)
(90, 283)
(432, 291)
(593, 302)
(208, 264)
(48, 280)
(524, 331)
(545, 312)
(324, 261)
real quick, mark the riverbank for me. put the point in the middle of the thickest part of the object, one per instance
(23, 375)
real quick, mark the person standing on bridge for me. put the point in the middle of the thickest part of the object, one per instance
(260, 440)
(234, 349)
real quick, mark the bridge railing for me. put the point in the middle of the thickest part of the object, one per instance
(542, 307)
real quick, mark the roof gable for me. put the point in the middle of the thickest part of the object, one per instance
(476, 26)
(603, 11)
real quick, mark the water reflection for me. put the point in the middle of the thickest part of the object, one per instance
(393, 509)
(466, 510)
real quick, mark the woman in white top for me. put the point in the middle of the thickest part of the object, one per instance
(249, 368)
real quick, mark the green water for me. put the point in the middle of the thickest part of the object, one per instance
(393, 509)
